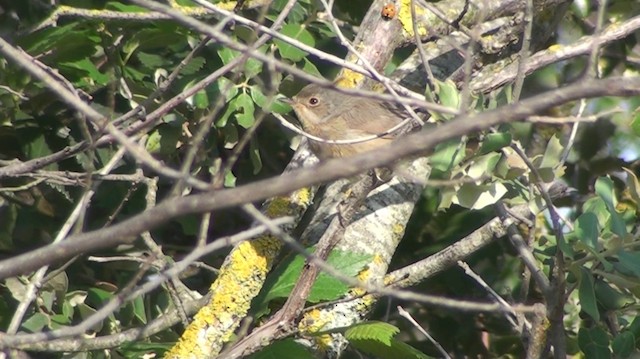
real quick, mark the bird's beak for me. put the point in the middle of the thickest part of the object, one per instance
(287, 100)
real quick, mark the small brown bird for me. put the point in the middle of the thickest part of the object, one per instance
(332, 115)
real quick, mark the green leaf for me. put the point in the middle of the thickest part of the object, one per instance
(287, 348)
(373, 330)
(326, 287)
(634, 327)
(113, 5)
(633, 185)
(89, 68)
(594, 343)
(474, 196)
(609, 298)
(253, 67)
(245, 115)
(222, 87)
(299, 33)
(149, 60)
(153, 142)
(587, 294)
(495, 141)
(97, 297)
(254, 154)
(552, 153)
(227, 55)
(139, 309)
(483, 165)
(193, 66)
(201, 100)
(630, 261)
(447, 155)
(597, 206)
(310, 68)
(587, 231)
(635, 123)
(448, 94)
(623, 344)
(38, 147)
(261, 100)
(229, 179)
(36, 323)
(230, 137)
(46, 39)
(377, 338)
(164, 140)
(46, 299)
(605, 189)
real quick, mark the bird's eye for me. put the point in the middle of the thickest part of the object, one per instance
(313, 101)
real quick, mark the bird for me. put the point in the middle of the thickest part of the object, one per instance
(331, 115)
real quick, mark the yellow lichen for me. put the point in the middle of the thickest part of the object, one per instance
(349, 79)
(239, 282)
(312, 322)
(404, 16)
(555, 48)
(278, 207)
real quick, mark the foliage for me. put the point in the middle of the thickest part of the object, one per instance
(225, 134)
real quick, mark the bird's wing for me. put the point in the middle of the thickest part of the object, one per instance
(375, 118)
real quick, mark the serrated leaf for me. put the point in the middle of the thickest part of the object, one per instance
(373, 330)
(193, 66)
(376, 338)
(201, 100)
(150, 61)
(299, 33)
(89, 68)
(586, 228)
(46, 39)
(587, 294)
